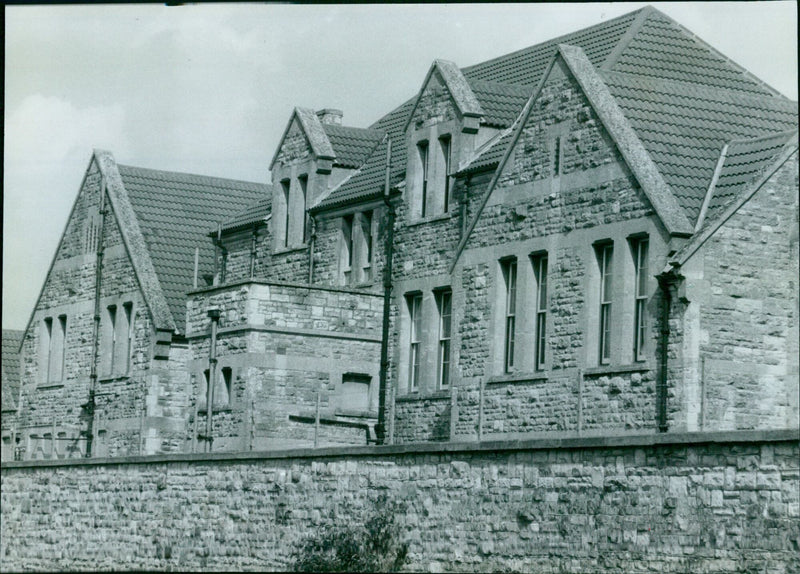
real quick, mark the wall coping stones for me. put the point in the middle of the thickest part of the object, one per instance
(618, 441)
(256, 281)
(517, 378)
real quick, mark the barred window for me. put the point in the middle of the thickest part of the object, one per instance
(415, 313)
(639, 246)
(605, 254)
(510, 276)
(540, 273)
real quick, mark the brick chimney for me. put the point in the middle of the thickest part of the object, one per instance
(330, 116)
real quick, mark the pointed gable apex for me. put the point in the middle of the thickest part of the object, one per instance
(619, 129)
(134, 243)
(314, 132)
(459, 89)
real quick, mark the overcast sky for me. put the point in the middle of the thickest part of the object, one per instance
(209, 88)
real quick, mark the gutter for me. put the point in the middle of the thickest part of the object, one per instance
(380, 427)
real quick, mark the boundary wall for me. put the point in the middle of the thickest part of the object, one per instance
(688, 502)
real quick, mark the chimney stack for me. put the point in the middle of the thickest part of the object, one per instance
(330, 116)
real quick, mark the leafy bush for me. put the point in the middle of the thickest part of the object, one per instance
(370, 545)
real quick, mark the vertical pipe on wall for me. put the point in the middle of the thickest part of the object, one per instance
(90, 404)
(196, 265)
(253, 244)
(480, 410)
(316, 422)
(213, 314)
(580, 401)
(664, 282)
(380, 427)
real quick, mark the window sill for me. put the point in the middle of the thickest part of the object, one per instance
(615, 369)
(430, 219)
(227, 409)
(356, 414)
(292, 249)
(518, 378)
(424, 396)
(112, 378)
(48, 386)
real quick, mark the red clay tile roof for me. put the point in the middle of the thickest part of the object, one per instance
(351, 145)
(745, 160)
(175, 211)
(12, 339)
(257, 212)
(683, 126)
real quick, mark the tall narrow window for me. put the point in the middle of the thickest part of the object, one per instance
(557, 156)
(62, 347)
(640, 263)
(347, 249)
(128, 309)
(510, 274)
(445, 299)
(112, 337)
(222, 396)
(445, 142)
(47, 348)
(422, 148)
(540, 273)
(303, 180)
(366, 232)
(605, 254)
(285, 187)
(415, 313)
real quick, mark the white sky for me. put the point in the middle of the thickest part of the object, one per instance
(209, 88)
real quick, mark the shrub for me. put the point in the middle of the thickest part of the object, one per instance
(372, 544)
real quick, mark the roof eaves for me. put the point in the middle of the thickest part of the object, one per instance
(688, 250)
(630, 146)
(135, 244)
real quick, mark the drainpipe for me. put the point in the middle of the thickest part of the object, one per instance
(380, 428)
(213, 314)
(90, 404)
(665, 281)
(253, 251)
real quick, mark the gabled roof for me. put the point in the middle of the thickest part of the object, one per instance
(174, 212)
(258, 212)
(489, 155)
(352, 146)
(744, 161)
(684, 125)
(314, 132)
(683, 99)
(12, 339)
(455, 82)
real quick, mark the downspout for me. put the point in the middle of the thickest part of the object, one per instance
(90, 405)
(213, 314)
(380, 427)
(311, 242)
(253, 244)
(665, 281)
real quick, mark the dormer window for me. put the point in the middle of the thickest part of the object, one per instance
(422, 148)
(303, 180)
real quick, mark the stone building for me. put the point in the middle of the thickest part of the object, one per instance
(593, 235)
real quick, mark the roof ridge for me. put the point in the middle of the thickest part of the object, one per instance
(626, 38)
(661, 80)
(744, 71)
(557, 40)
(209, 177)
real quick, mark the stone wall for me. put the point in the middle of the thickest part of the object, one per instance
(738, 323)
(287, 347)
(54, 408)
(666, 503)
